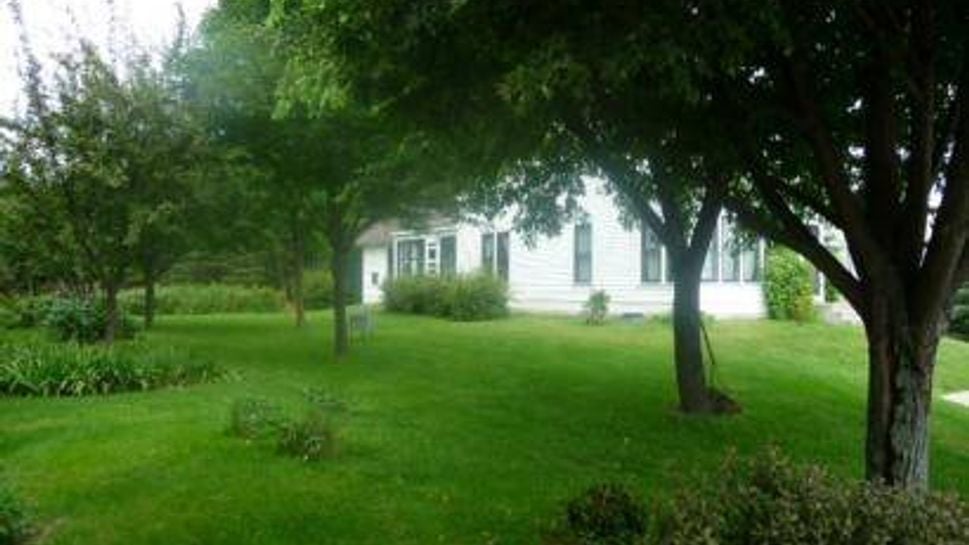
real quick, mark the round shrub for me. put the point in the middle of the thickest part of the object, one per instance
(788, 286)
(317, 290)
(770, 501)
(603, 514)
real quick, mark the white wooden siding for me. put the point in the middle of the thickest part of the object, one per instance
(541, 275)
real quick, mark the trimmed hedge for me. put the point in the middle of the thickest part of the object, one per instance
(461, 298)
(206, 299)
(788, 286)
(54, 370)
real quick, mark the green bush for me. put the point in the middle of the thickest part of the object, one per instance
(311, 438)
(597, 307)
(317, 290)
(82, 320)
(14, 523)
(48, 369)
(253, 418)
(606, 514)
(788, 286)
(206, 299)
(959, 319)
(26, 311)
(770, 501)
(461, 298)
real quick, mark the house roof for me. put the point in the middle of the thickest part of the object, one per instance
(378, 234)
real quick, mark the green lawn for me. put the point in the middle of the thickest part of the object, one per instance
(458, 433)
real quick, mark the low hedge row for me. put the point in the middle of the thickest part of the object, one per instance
(461, 298)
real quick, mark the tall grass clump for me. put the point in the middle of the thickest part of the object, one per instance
(69, 369)
(206, 299)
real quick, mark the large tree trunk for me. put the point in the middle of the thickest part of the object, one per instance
(338, 268)
(900, 371)
(112, 319)
(150, 301)
(691, 379)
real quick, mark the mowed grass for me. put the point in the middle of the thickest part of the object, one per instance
(457, 433)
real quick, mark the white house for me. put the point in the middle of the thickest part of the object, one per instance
(557, 274)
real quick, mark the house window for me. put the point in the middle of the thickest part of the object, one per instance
(582, 270)
(375, 279)
(502, 250)
(410, 257)
(449, 256)
(731, 254)
(711, 265)
(751, 262)
(651, 256)
(488, 252)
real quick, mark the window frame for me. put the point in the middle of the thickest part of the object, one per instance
(580, 256)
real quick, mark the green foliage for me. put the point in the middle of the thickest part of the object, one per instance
(254, 418)
(460, 298)
(597, 307)
(220, 267)
(50, 370)
(959, 318)
(604, 514)
(82, 320)
(788, 286)
(206, 299)
(317, 289)
(772, 501)
(15, 526)
(27, 311)
(310, 438)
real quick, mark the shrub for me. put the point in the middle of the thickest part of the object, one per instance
(310, 439)
(253, 418)
(788, 286)
(27, 311)
(475, 297)
(771, 501)
(606, 514)
(206, 299)
(317, 290)
(597, 307)
(461, 298)
(14, 522)
(82, 320)
(959, 319)
(45, 369)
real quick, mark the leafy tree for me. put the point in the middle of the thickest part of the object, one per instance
(101, 164)
(855, 113)
(527, 112)
(322, 172)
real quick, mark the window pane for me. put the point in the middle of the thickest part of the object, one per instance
(651, 256)
(751, 258)
(710, 269)
(583, 254)
(731, 254)
(488, 252)
(410, 257)
(503, 243)
(449, 265)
